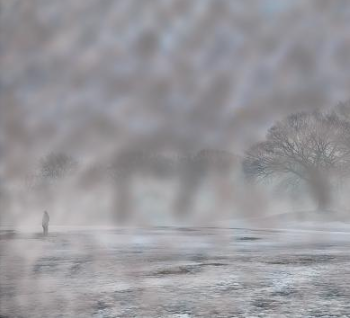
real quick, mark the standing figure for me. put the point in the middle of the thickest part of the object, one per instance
(45, 223)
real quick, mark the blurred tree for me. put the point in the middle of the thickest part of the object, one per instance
(343, 110)
(55, 180)
(57, 166)
(309, 148)
(189, 171)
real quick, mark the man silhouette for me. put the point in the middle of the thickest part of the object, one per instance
(45, 223)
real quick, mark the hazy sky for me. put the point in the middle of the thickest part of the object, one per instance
(92, 77)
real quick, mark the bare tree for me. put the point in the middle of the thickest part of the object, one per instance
(310, 148)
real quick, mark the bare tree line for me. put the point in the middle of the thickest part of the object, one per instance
(118, 173)
(305, 149)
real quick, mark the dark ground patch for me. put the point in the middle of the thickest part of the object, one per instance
(186, 269)
(248, 238)
(265, 303)
(178, 270)
(301, 260)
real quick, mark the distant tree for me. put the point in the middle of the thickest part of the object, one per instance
(343, 110)
(188, 170)
(310, 148)
(56, 166)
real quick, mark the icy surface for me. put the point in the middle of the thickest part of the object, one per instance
(175, 272)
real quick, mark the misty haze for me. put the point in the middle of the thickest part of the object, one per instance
(174, 158)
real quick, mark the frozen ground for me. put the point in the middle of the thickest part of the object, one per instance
(175, 272)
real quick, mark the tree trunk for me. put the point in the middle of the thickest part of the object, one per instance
(321, 191)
